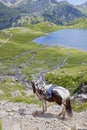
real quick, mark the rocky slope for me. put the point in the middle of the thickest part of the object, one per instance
(18, 116)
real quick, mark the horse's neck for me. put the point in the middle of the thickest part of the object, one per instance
(39, 91)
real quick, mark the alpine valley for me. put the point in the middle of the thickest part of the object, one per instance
(23, 60)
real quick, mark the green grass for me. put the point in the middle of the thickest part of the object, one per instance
(80, 23)
(30, 100)
(22, 39)
(3, 37)
(78, 107)
(8, 87)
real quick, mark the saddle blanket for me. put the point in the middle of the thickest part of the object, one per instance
(49, 92)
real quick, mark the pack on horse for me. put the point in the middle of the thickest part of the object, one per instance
(57, 94)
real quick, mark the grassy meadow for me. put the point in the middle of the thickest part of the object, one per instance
(80, 23)
(20, 50)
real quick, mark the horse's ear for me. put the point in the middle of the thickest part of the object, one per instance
(33, 86)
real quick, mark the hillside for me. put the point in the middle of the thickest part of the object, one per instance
(31, 11)
(20, 60)
(62, 13)
(11, 3)
(31, 59)
(80, 23)
(82, 8)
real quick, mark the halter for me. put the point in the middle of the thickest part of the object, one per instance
(40, 85)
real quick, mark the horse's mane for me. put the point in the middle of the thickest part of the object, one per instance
(33, 86)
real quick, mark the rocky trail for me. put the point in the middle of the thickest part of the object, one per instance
(4, 42)
(18, 116)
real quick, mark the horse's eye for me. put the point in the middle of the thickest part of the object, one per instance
(36, 84)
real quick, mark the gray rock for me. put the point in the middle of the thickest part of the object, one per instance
(21, 111)
(16, 127)
(3, 114)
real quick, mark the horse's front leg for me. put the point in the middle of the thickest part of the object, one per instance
(44, 105)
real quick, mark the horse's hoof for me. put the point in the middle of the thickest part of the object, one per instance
(63, 118)
(35, 113)
(45, 111)
(42, 112)
(59, 114)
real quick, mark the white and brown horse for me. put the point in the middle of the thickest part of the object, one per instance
(59, 95)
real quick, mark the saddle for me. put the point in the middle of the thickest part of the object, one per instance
(48, 92)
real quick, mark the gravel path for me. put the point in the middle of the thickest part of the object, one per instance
(18, 116)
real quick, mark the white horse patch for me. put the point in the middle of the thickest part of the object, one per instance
(64, 93)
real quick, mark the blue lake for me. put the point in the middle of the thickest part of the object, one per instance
(71, 38)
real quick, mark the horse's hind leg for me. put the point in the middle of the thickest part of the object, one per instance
(60, 113)
(63, 112)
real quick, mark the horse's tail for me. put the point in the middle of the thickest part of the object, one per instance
(68, 107)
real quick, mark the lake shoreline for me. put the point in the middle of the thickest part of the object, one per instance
(62, 38)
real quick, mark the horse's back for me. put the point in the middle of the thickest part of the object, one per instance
(63, 92)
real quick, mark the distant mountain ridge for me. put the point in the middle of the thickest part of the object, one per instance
(8, 1)
(85, 4)
(83, 8)
(35, 11)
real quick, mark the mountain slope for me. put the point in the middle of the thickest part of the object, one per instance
(10, 3)
(63, 12)
(51, 10)
(84, 4)
(83, 8)
(7, 16)
(79, 23)
(35, 11)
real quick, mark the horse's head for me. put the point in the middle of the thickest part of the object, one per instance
(37, 88)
